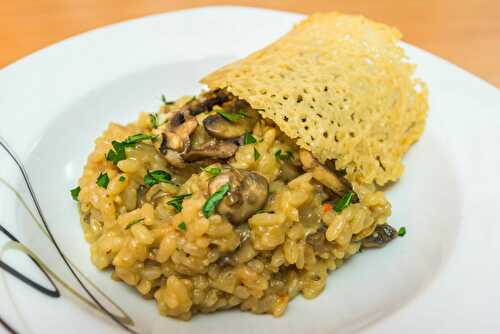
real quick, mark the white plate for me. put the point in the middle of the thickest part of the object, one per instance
(442, 277)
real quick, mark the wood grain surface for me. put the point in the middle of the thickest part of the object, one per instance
(465, 32)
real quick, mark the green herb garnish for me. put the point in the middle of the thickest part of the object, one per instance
(137, 138)
(75, 192)
(402, 231)
(176, 202)
(121, 178)
(343, 202)
(153, 118)
(256, 154)
(209, 206)
(182, 226)
(103, 180)
(231, 117)
(118, 152)
(285, 156)
(212, 170)
(133, 223)
(164, 100)
(156, 176)
(249, 139)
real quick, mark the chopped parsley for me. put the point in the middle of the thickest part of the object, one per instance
(283, 156)
(117, 153)
(343, 202)
(137, 138)
(256, 154)
(156, 176)
(402, 231)
(164, 100)
(153, 118)
(182, 226)
(75, 192)
(231, 117)
(121, 178)
(138, 221)
(103, 180)
(212, 170)
(209, 206)
(249, 139)
(176, 202)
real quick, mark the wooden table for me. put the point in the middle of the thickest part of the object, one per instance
(466, 32)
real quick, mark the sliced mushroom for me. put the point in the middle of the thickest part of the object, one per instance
(322, 174)
(247, 195)
(211, 150)
(318, 242)
(177, 138)
(174, 159)
(172, 141)
(288, 171)
(219, 127)
(163, 145)
(208, 101)
(382, 235)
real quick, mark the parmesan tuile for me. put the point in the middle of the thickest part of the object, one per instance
(341, 86)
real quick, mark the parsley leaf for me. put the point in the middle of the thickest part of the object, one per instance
(182, 226)
(103, 180)
(118, 152)
(343, 202)
(122, 178)
(256, 154)
(176, 202)
(209, 206)
(212, 170)
(156, 176)
(137, 138)
(249, 139)
(231, 117)
(133, 223)
(164, 100)
(75, 192)
(279, 156)
(153, 118)
(402, 231)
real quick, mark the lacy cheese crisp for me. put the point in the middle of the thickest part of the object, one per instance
(342, 87)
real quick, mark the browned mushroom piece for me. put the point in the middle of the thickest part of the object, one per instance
(174, 159)
(219, 127)
(322, 174)
(247, 195)
(211, 150)
(177, 137)
(382, 235)
(208, 101)
(318, 242)
(289, 171)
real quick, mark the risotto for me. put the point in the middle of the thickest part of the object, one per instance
(252, 192)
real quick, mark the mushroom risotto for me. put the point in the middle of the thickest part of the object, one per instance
(228, 199)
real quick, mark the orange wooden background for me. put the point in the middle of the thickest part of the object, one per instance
(466, 32)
